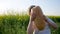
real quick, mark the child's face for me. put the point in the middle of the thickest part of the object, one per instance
(30, 9)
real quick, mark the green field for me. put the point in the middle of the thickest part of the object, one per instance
(17, 24)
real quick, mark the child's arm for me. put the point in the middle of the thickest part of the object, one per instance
(30, 26)
(51, 23)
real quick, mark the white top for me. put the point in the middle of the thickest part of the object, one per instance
(46, 30)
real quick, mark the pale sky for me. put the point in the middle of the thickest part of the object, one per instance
(49, 7)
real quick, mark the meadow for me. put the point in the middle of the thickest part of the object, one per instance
(17, 24)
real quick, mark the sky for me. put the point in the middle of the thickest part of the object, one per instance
(49, 7)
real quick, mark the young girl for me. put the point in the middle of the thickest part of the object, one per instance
(32, 27)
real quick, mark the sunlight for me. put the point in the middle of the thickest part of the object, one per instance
(49, 7)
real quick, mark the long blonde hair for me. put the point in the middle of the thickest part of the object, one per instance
(39, 20)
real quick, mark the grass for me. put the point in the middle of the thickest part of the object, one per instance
(17, 24)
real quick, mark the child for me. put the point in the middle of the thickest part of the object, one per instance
(32, 28)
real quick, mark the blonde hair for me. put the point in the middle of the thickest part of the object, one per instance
(39, 20)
